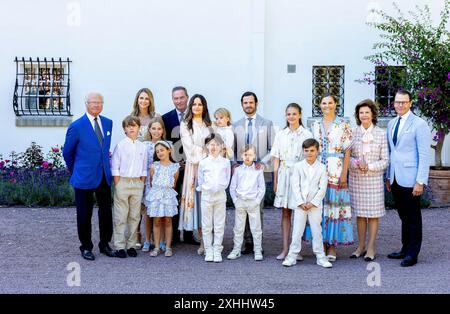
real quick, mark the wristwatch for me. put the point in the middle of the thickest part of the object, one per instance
(419, 182)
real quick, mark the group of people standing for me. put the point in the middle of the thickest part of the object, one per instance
(172, 172)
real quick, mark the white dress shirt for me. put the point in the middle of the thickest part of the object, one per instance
(213, 174)
(402, 123)
(129, 159)
(91, 119)
(247, 182)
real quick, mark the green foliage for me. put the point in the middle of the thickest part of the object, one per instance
(423, 49)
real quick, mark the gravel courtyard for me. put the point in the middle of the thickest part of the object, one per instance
(38, 244)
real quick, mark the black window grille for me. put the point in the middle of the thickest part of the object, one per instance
(42, 87)
(328, 80)
(388, 79)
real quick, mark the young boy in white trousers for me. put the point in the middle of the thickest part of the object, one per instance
(247, 189)
(309, 185)
(213, 178)
(129, 170)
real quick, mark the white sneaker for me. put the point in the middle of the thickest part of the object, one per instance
(299, 257)
(209, 257)
(323, 261)
(289, 261)
(234, 254)
(217, 258)
(258, 256)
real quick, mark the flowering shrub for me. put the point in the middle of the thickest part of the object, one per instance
(29, 179)
(424, 51)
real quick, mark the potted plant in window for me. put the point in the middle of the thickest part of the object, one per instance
(423, 49)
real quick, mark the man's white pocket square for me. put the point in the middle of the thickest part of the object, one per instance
(108, 133)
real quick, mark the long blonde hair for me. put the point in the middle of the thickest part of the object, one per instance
(151, 107)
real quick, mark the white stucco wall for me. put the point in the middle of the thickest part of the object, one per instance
(217, 48)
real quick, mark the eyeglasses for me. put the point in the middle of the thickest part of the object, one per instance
(402, 103)
(95, 102)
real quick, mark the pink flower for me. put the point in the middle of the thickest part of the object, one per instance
(45, 164)
(7, 160)
(2, 163)
(55, 149)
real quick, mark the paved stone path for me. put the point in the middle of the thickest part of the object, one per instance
(38, 244)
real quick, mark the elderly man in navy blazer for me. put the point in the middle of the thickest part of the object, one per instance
(86, 152)
(409, 140)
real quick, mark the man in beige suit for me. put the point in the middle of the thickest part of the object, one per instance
(257, 131)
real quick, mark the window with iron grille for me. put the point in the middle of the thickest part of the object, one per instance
(327, 80)
(388, 79)
(42, 87)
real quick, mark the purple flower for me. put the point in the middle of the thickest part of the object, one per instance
(448, 76)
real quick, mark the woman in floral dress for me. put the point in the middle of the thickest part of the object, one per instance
(335, 136)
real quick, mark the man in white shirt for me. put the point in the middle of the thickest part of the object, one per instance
(129, 162)
(247, 189)
(213, 178)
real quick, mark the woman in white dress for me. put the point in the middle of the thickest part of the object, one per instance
(195, 127)
(286, 151)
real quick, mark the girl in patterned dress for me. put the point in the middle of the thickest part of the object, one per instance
(162, 197)
(156, 132)
(286, 151)
(335, 136)
(369, 159)
(194, 129)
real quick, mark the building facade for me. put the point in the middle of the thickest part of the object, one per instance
(277, 48)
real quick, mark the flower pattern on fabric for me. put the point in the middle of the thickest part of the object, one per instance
(162, 198)
(337, 218)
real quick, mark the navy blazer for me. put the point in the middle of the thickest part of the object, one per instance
(172, 126)
(85, 158)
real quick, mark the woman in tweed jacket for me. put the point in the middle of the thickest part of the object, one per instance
(368, 160)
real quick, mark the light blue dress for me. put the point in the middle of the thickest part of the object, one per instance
(162, 198)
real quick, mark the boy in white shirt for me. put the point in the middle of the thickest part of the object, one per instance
(308, 188)
(129, 163)
(213, 178)
(247, 189)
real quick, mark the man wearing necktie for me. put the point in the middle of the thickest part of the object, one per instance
(409, 140)
(86, 153)
(253, 129)
(172, 120)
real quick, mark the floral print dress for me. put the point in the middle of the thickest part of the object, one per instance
(337, 226)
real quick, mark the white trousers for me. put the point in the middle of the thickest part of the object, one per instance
(248, 207)
(314, 216)
(213, 210)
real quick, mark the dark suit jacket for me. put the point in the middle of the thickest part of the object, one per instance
(172, 126)
(85, 158)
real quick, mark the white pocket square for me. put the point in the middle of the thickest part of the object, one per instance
(108, 133)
